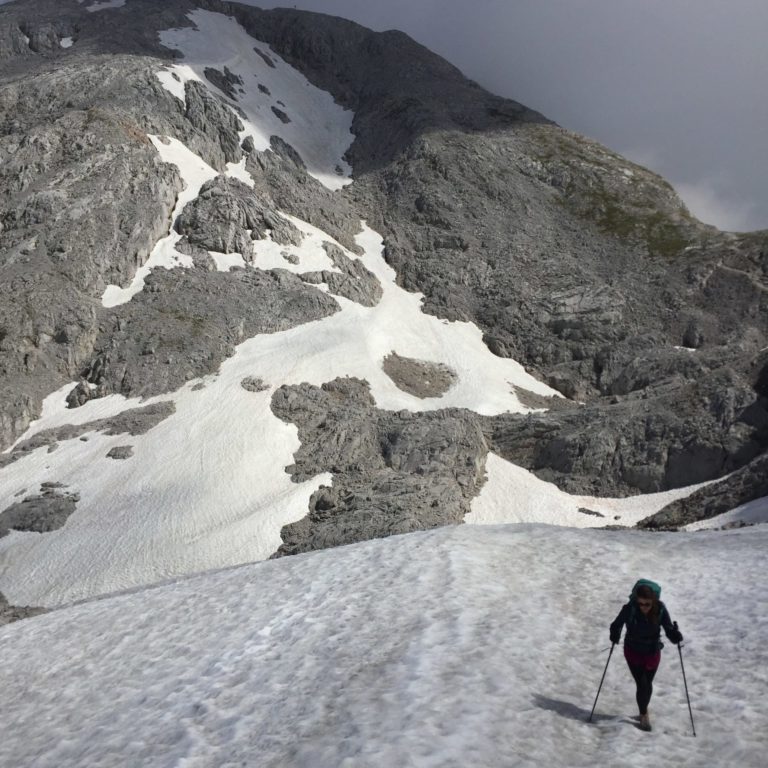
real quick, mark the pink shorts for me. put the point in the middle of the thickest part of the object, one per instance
(647, 661)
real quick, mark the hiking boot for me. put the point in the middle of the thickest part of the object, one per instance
(645, 722)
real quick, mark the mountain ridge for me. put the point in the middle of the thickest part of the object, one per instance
(583, 267)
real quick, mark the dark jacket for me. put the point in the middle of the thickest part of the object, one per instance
(642, 634)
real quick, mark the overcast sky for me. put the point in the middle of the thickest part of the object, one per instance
(680, 86)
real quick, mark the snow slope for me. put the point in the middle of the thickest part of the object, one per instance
(317, 128)
(511, 494)
(465, 646)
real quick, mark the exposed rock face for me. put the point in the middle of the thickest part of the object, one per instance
(220, 217)
(41, 513)
(354, 282)
(120, 452)
(748, 483)
(133, 421)
(226, 81)
(254, 384)
(186, 322)
(651, 441)
(281, 178)
(393, 472)
(418, 377)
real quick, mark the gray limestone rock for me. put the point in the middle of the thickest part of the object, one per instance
(418, 377)
(393, 472)
(45, 512)
(650, 441)
(10, 613)
(533, 400)
(746, 484)
(210, 116)
(133, 421)
(220, 217)
(120, 452)
(281, 178)
(281, 116)
(267, 59)
(225, 81)
(186, 322)
(354, 282)
(254, 384)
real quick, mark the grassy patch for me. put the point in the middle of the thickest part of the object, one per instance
(638, 207)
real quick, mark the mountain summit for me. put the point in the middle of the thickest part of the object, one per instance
(274, 283)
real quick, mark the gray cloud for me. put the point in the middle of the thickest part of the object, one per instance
(679, 82)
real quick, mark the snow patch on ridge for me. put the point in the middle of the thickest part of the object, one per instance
(514, 495)
(318, 128)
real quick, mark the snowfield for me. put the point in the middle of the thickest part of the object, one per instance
(464, 646)
(277, 99)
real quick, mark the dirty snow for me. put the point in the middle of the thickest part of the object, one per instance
(465, 646)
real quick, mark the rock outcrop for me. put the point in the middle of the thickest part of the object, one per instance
(394, 472)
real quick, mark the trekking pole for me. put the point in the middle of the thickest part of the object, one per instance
(589, 720)
(685, 682)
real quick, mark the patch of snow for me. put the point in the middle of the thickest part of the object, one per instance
(194, 172)
(104, 5)
(319, 129)
(237, 171)
(174, 78)
(687, 349)
(753, 513)
(66, 42)
(465, 646)
(512, 494)
(225, 261)
(310, 256)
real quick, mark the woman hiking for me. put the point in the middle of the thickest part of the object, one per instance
(644, 616)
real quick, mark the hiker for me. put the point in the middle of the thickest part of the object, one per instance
(644, 615)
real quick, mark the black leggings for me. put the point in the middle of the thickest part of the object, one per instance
(644, 679)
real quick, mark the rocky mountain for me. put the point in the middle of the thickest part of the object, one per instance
(196, 198)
